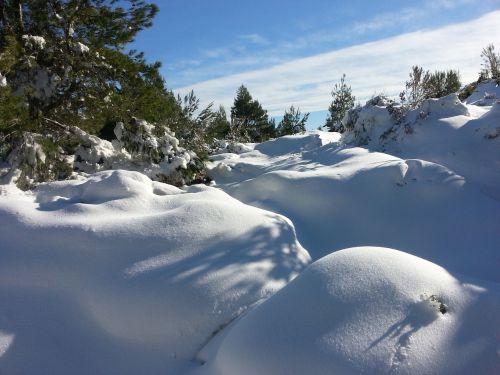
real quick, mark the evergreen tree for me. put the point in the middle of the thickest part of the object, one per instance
(491, 63)
(69, 64)
(424, 85)
(66, 74)
(219, 127)
(414, 94)
(248, 118)
(343, 101)
(292, 123)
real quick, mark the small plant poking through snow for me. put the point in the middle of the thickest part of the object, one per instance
(435, 302)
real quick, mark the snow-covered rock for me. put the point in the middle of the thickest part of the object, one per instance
(116, 273)
(368, 310)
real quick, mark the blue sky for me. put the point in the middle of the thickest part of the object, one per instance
(280, 49)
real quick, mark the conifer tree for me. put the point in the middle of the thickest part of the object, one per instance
(292, 123)
(70, 64)
(424, 85)
(491, 63)
(66, 75)
(343, 101)
(249, 118)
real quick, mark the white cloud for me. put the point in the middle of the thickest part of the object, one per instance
(386, 20)
(373, 67)
(255, 39)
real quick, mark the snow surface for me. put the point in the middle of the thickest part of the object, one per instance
(485, 94)
(120, 274)
(340, 197)
(368, 310)
(115, 273)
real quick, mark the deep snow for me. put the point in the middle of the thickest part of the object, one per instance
(434, 192)
(120, 274)
(117, 274)
(370, 311)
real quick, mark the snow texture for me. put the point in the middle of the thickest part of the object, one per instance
(117, 272)
(368, 310)
(34, 41)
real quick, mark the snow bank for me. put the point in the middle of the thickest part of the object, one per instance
(433, 191)
(372, 198)
(486, 93)
(297, 143)
(368, 310)
(116, 273)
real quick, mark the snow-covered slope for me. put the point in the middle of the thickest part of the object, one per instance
(119, 274)
(340, 196)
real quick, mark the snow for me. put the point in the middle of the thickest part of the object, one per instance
(485, 93)
(96, 154)
(368, 310)
(115, 271)
(3, 81)
(396, 270)
(81, 48)
(34, 41)
(340, 197)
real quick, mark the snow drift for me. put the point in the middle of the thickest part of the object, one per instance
(116, 273)
(432, 191)
(120, 274)
(368, 310)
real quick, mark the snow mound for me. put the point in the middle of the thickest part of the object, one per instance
(447, 106)
(490, 123)
(103, 187)
(291, 144)
(115, 271)
(486, 93)
(381, 121)
(368, 310)
(444, 131)
(373, 198)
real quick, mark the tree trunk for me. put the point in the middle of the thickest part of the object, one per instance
(20, 23)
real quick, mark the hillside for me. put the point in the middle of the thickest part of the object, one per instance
(375, 251)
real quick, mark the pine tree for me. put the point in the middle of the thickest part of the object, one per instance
(248, 118)
(66, 75)
(491, 63)
(424, 85)
(219, 128)
(343, 100)
(292, 123)
(69, 60)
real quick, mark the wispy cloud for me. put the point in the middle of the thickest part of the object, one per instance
(370, 68)
(386, 20)
(255, 39)
(256, 51)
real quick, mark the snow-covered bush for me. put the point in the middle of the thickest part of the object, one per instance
(382, 119)
(34, 158)
(372, 121)
(139, 146)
